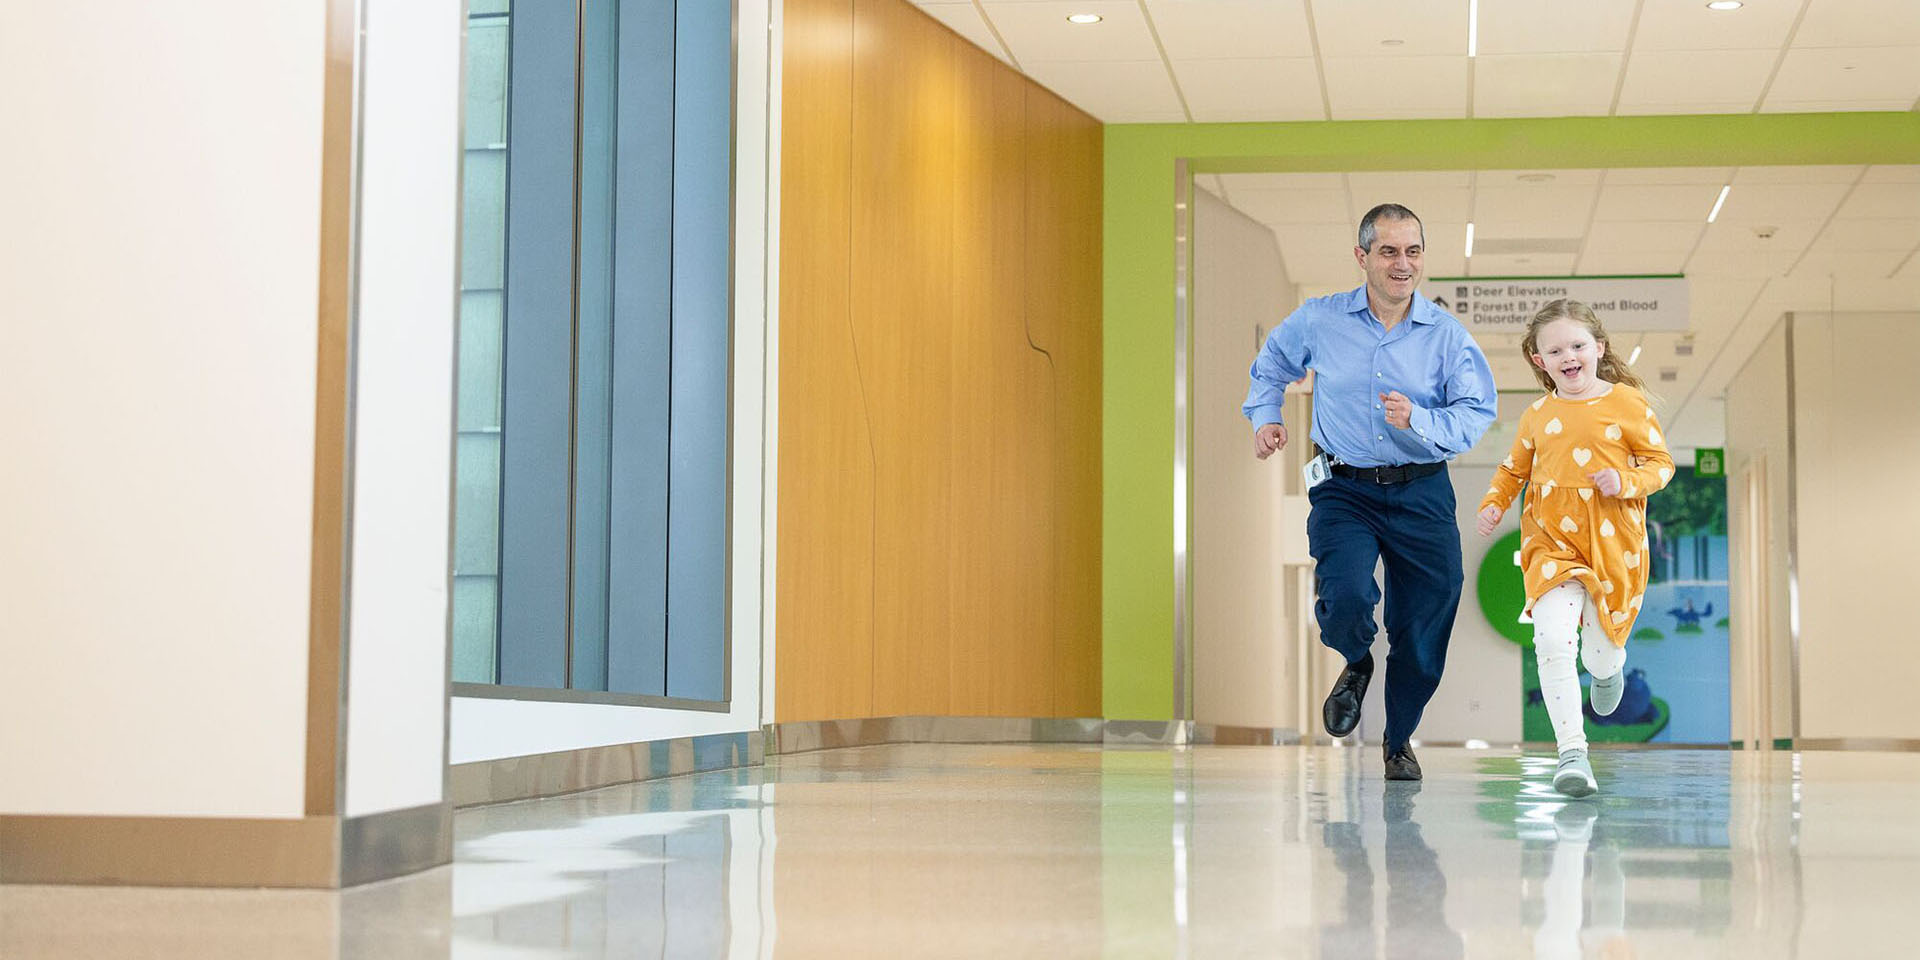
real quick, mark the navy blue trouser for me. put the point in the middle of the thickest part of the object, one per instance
(1411, 526)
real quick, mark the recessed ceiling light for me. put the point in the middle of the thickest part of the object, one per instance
(1719, 202)
(1536, 177)
(1473, 28)
(1084, 18)
(1725, 5)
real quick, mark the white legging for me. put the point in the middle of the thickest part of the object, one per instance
(1557, 618)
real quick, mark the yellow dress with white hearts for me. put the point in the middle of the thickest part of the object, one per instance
(1568, 529)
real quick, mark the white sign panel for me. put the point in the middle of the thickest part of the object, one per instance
(1621, 303)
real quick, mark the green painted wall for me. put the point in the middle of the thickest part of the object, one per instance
(1137, 560)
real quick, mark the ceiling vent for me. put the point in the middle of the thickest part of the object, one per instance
(1669, 374)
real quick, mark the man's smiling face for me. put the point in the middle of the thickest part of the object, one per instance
(1396, 264)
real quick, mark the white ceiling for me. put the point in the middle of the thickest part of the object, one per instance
(1845, 238)
(1170, 61)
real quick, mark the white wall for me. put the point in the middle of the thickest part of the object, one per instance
(1757, 441)
(1243, 665)
(485, 729)
(1858, 453)
(409, 246)
(160, 192)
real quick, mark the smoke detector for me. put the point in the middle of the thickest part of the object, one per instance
(1765, 232)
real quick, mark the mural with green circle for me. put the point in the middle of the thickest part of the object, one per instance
(1503, 590)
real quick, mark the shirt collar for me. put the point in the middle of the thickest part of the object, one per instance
(1422, 310)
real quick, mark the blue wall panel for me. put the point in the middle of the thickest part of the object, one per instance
(702, 218)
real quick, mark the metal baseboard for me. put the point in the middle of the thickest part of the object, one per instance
(590, 768)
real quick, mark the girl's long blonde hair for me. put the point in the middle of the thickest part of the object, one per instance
(1612, 368)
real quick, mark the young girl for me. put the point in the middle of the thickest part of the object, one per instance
(1589, 452)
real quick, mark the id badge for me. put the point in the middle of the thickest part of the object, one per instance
(1316, 471)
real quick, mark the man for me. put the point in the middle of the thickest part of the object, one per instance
(1399, 389)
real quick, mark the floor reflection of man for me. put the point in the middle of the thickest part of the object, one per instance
(1416, 921)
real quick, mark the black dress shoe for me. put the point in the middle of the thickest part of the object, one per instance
(1401, 764)
(1342, 709)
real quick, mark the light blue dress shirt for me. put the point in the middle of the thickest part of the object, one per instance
(1429, 357)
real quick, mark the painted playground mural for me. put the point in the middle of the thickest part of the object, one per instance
(1677, 669)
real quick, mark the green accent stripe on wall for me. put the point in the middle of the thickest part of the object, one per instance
(1137, 406)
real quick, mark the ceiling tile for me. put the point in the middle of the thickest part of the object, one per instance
(1875, 74)
(1859, 23)
(1877, 293)
(1626, 176)
(1625, 201)
(1233, 91)
(1689, 25)
(1682, 108)
(1553, 26)
(1613, 263)
(1528, 179)
(1884, 235)
(1431, 205)
(1038, 30)
(1534, 265)
(1284, 181)
(1532, 210)
(1718, 263)
(1395, 88)
(1293, 206)
(1882, 201)
(1559, 85)
(1232, 29)
(1135, 91)
(1653, 236)
(1696, 76)
(1789, 238)
(1751, 204)
(1825, 259)
(964, 19)
(1374, 180)
(1823, 174)
(1835, 106)
(1425, 28)
(1893, 173)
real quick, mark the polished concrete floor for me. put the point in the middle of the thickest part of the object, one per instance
(1064, 851)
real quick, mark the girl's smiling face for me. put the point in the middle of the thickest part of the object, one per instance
(1569, 354)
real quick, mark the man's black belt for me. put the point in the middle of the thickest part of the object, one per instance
(1400, 474)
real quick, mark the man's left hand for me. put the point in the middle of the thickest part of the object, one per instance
(1399, 409)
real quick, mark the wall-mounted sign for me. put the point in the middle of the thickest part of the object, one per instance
(1496, 305)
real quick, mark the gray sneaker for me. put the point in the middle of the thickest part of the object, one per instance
(1574, 776)
(1605, 694)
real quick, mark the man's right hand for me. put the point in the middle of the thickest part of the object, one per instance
(1269, 440)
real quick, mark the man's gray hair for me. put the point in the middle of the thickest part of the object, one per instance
(1391, 211)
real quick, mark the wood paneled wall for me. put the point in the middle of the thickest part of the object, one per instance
(939, 460)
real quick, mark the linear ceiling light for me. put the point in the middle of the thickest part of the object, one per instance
(1084, 18)
(1717, 203)
(1725, 5)
(1634, 358)
(1469, 238)
(1473, 28)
